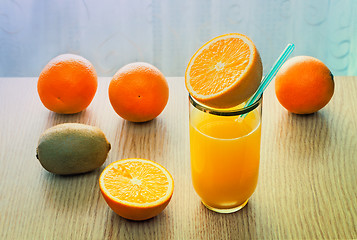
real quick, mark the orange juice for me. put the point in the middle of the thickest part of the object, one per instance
(225, 153)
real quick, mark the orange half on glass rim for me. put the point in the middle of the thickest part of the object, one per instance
(136, 189)
(225, 71)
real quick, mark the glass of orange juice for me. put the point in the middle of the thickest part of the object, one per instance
(225, 154)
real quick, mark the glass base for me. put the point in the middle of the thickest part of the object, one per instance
(225, 210)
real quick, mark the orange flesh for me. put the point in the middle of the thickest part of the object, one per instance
(211, 73)
(136, 182)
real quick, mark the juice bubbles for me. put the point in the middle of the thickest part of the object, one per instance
(225, 153)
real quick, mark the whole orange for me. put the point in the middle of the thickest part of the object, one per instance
(67, 84)
(138, 92)
(304, 85)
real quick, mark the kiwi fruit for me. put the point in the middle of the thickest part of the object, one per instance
(72, 148)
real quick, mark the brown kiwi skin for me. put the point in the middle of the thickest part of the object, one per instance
(72, 148)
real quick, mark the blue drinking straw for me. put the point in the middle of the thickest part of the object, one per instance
(267, 79)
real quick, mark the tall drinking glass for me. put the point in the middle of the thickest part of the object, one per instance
(225, 154)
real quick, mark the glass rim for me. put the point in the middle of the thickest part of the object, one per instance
(222, 111)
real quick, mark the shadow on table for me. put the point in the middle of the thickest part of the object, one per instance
(141, 140)
(158, 227)
(310, 135)
(237, 225)
(56, 118)
(71, 193)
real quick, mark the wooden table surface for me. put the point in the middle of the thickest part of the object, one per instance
(307, 185)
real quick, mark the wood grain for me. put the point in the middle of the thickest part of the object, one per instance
(307, 183)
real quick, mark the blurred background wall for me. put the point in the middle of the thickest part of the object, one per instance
(112, 33)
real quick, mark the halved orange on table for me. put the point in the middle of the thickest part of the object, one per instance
(225, 71)
(136, 189)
